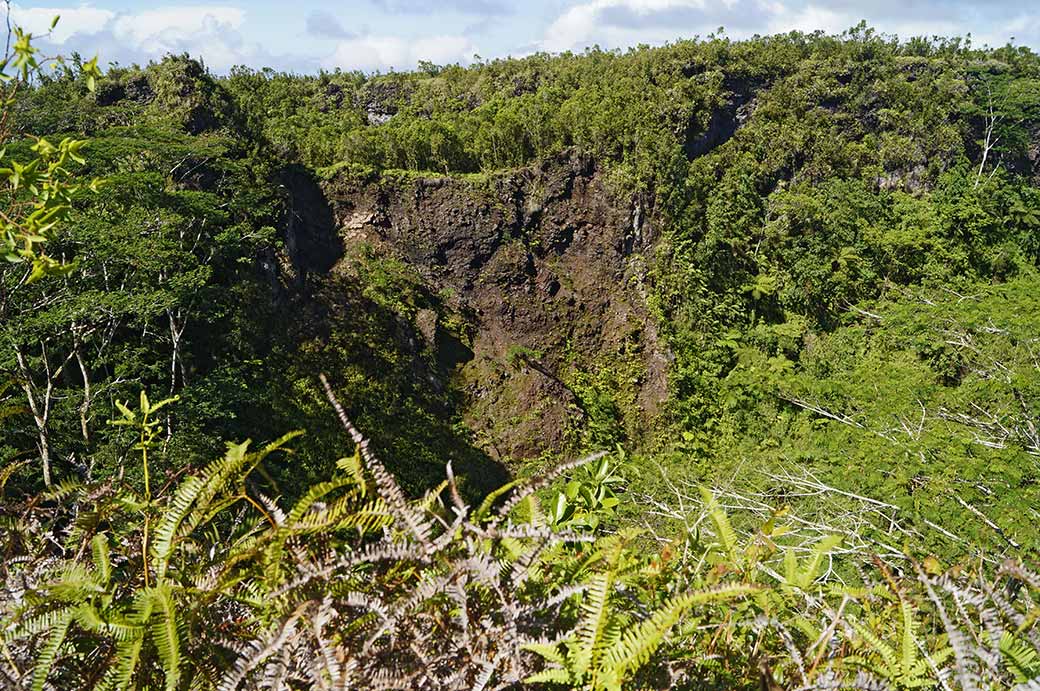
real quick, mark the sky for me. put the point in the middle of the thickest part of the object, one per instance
(380, 35)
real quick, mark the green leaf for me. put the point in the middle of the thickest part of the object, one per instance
(166, 635)
(99, 549)
(724, 531)
(46, 656)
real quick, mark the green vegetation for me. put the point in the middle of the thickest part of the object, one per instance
(839, 490)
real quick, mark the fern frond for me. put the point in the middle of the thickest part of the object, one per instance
(166, 635)
(368, 518)
(353, 467)
(1021, 658)
(485, 506)
(176, 511)
(75, 583)
(415, 523)
(811, 570)
(638, 643)
(102, 562)
(549, 651)
(121, 670)
(90, 619)
(49, 652)
(554, 675)
(723, 530)
(909, 637)
(38, 624)
(8, 470)
(259, 651)
(593, 620)
(879, 647)
(62, 491)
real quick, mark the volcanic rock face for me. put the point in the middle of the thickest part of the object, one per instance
(542, 272)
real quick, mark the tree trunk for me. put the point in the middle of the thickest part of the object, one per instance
(84, 408)
(40, 410)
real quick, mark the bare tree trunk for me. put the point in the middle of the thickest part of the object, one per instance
(40, 409)
(176, 361)
(990, 142)
(176, 338)
(987, 146)
(84, 408)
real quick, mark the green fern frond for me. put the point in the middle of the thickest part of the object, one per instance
(353, 467)
(102, 561)
(62, 490)
(909, 637)
(811, 570)
(883, 650)
(8, 470)
(166, 635)
(639, 642)
(75, 583)
(431, 497)
(484, 510)
(790, 567)
(554, 675)
(49, 652)
(121, 670)
(316, 493)
(193, 502)
(87, 616)
(368, 518)
(1020, 657)
(723, 530)
(303, 517)
(38, 624)
(548, 651)
(593, 621)
(176, 511)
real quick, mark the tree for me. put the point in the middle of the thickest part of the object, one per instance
(1005, 103)
(39, 194)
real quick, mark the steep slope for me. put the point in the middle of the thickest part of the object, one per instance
(543, 281)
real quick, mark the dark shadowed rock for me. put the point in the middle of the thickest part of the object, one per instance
(546, 258)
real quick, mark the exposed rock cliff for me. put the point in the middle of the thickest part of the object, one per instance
(541, 282)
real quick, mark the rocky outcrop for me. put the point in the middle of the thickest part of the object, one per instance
(723, 122)
(545, 262)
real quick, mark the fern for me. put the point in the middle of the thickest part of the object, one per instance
(900, 665)
(49, 652)
(723, 530)
(166, 635)
(1021, 658)
(102, 560)
(176, 512)
(639, 643)
(595, 616)
(606, 649)
(121, 669)
(803, 576)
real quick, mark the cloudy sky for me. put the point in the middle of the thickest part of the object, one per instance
(306, 35)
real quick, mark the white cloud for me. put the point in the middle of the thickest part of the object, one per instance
(219, 33)
(208, 32)
(395, 52)
(169, 26)
(813, 17)
(619, 23)
(74, 20)
(613, 23)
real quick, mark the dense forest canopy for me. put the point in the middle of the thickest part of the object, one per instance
(800, 269)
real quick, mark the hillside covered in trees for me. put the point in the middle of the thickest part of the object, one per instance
(786, 292)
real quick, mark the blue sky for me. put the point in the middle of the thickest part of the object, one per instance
(307, 35)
